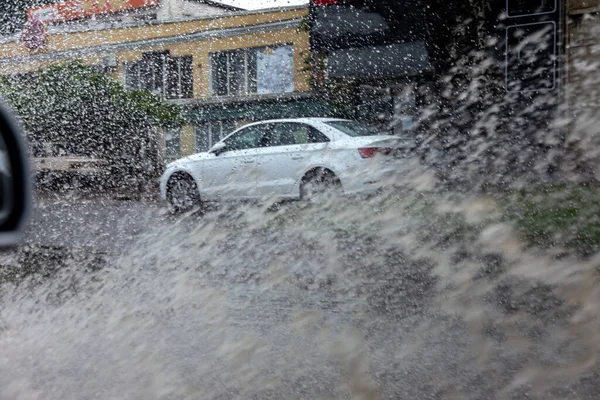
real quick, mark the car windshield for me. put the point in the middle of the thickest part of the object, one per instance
(355, 129)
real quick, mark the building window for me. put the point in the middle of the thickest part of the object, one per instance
(250, 71)
(275, 69)
(180, 78)
(161, 74)
(209, 133)
(172, 142)
(152, 71)
(234, 72)
(131, 75)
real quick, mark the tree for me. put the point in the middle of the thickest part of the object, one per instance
(88, 111)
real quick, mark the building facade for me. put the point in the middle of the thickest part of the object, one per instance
(224, 66)
(517, 78)
(380, 49)
(396, 53)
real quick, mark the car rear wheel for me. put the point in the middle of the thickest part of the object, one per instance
(320, 184)
(182, 193)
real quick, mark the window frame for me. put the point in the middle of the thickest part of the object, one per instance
(184, 90)
(160, 74)
(250, 87)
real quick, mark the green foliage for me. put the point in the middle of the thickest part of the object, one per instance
(565, 217)
(557, 215)
(87, 110)
(304, 25)
(342, 97)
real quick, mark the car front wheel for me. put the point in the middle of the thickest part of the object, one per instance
(182, 193)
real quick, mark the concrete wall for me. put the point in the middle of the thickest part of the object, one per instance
(171, 9)
(583, 5)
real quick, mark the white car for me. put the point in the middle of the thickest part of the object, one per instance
(286, 159)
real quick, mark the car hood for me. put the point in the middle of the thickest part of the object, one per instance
(189, 159)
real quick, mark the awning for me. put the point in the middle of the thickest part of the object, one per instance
(407, 59)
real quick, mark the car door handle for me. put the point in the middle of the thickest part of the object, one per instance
(297, 157)
(248, 161)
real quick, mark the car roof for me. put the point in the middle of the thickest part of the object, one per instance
(305, 120)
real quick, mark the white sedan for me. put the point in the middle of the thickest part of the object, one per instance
(286, 159)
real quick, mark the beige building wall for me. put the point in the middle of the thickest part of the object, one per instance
(58, 44)
(101, 37)
(201, 50)
(187, 140)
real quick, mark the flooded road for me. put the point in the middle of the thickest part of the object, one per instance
(96, 222)
(345, 301)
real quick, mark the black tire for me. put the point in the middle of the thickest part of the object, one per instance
(320, 184)
(182, 193)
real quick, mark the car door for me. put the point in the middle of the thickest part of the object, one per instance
(230, 173)
(287, 149)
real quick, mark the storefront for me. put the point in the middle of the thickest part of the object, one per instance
(213, 121)
(379, 50)
(392, 52)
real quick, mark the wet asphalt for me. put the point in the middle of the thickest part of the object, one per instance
(245, 304)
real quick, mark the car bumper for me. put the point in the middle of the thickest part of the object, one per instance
(371, 178)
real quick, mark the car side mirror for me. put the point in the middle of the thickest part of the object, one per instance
(15, 185)
(218, 148)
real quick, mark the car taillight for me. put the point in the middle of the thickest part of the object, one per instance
(368, 152)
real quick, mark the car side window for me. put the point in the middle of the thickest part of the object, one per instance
(248, 138)
(314, 136)
(293, 133)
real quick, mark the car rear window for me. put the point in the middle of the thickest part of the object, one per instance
(355, 129)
